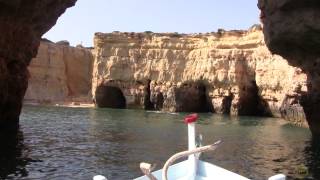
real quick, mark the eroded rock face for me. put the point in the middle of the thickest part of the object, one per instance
(60, 73)
(22, 23)
(292, 30)
(225, 72)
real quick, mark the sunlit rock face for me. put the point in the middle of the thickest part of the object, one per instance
(59, 74)
(22, 24)
(229, 72)
(292, 30)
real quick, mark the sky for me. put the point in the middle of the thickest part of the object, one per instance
(79, 23)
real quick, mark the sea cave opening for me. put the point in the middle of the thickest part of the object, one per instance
(110, 97)
(251, 103)
(226, 104)
(192, 97)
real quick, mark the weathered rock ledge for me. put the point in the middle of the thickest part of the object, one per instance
(229, 72)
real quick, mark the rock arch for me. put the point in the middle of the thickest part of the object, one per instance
(110, 97)
(22, 23)
(295, 38)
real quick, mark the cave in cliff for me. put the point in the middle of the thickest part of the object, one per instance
(250, 102)
(242, 79)
(148, 105)
(192, 97)
(157, 101)
(154, 99)
(226, 105)
(110, 97)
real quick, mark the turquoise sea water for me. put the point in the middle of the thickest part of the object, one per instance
(78, 143)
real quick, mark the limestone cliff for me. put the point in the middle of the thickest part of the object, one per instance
(224, 72)
(292, 30)
(22, 23)
(60, 73)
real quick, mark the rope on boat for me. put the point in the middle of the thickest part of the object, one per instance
(179, 155)
(147, 169)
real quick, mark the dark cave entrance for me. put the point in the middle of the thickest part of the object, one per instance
(152, 100)
(157, 100)
(192, 97)
(110, 97)
(158, 103)
(251, 103)
(226, 104)
(147, 100)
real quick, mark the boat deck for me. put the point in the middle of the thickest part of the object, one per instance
(205, 171)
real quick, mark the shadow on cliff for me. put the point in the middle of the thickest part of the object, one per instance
(12, 157)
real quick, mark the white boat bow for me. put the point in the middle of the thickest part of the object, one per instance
(192, 168)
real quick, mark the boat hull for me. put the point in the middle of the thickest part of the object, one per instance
(205, 171)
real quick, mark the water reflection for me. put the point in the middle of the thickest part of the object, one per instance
(312, 159)
(128, 137)
(13, 158)
(257, 148)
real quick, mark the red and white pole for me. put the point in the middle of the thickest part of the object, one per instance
(190, 120)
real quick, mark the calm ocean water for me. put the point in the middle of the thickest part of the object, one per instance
(78, 143)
